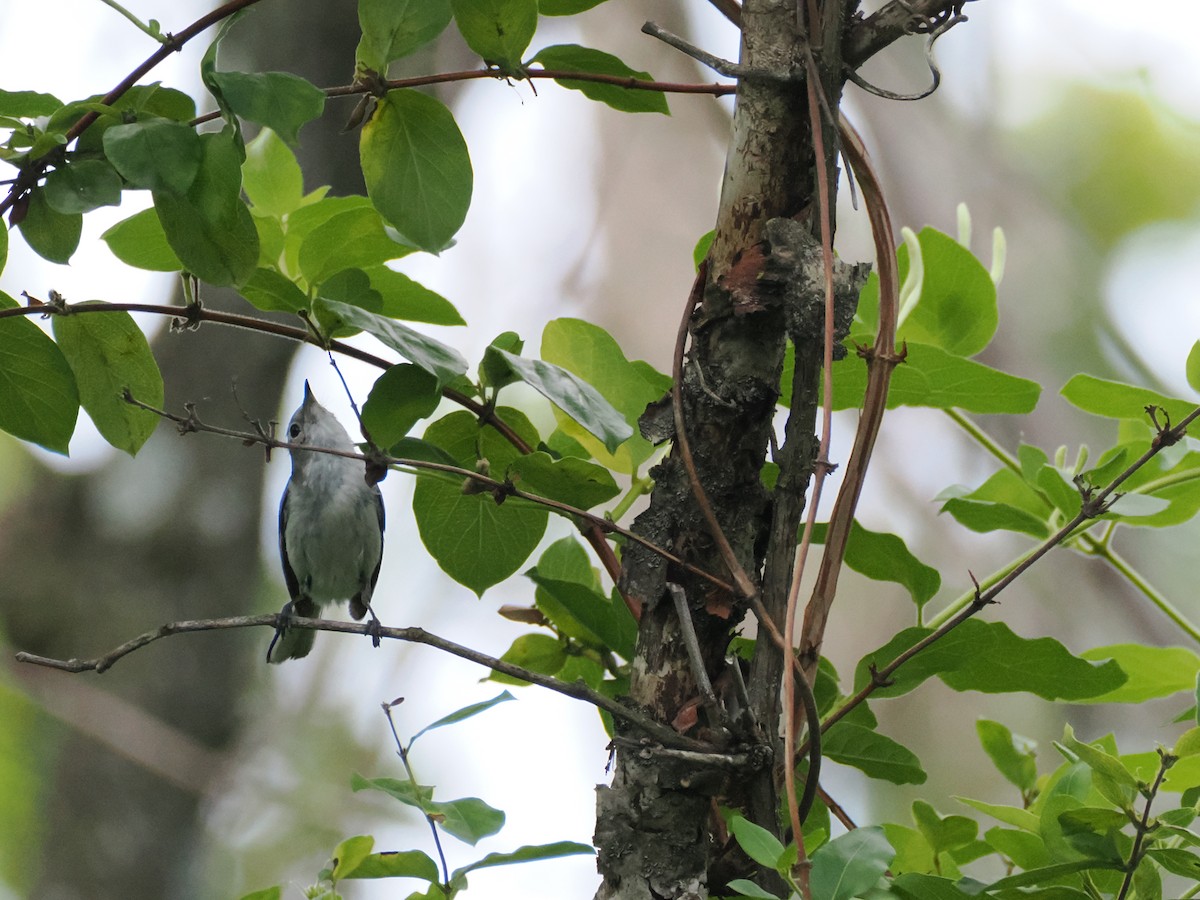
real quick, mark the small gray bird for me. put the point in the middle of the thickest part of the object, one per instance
(330, 529)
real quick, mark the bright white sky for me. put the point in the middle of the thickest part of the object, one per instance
(551, 754)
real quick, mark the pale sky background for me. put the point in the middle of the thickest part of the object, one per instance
(539, 758)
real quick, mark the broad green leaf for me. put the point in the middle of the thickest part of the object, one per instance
(700, 252)
(1188, 743)
(591, 353)
(209, 228)
(281, 101)
(469, 819)
(350, 853)
(139, 241)
(271, 177)
(443, 362)
(391, 30)
(1024, 848)
(566, 560)
(573, 58)
(349, 287)
(27, 104)
(83, 186)
(566, 7)
(957, 307)
(747, 888)
(494, 370)
(461, 715)
(1177, 861)
(983, 516)
(354, 239)
(873, 753)
(1038, 877)
(1192, 368)
(757, 843)
(527, 853)
(575, 482)
(498, 30)
(396, 864)
(885, 557)
(155, 154)
(989, 657)
(919, 886)
(1153, 671)
(609, 620)
(109, 354)
(1114, 400)
(271, 893)
(269, 290)
(416, 167)
(944, 833)
(573, 396)
(850, 864)
(538, 653)
(1009, 815)
(50, 234)
(401, 397)
(1015, 757)
(39, 400)
(475, 540)
(405, 299)
(1114, 781)
(303, 221)
(931, 376)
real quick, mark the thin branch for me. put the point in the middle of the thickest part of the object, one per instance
(173, 43)
(577, 690)
(895, 20)
(1090, 509)
(501, 490)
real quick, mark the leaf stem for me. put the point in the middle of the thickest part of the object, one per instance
(142, 26)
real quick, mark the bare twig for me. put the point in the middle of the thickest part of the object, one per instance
(576, 689)
(692, 643)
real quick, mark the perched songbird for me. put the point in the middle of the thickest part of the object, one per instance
(330, 528)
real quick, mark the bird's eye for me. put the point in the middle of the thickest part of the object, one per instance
(294, 431)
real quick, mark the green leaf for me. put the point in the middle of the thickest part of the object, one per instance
(1015, 757)
(402, 864)
(350, 287)
(573, 58)
(1114, 400)
(303, 221)
(1188, 743)
(850, 864)
(350, 853)
(944, 833)
(139, 241)
(279, 100)
(271, 893)
(1177, 861)
(391, 30)
(1009, 815)
(109, 354)
(1192, 369)
(591, 353)
(566, 560)
(956, 310)
(155, 154)
(469, 819)
(269, 290)
(461, 715)
(700, 251)
(405, 299)
(566, 7)
(209, 228)
(919, 886)
(476, 541)
(39, 401)
(27, 104)
(498, 30)
(354, 239)
(527, 853)
(1024, 848)
(443, 362)
(609, 621)
(573, 396)
(989, 657)
(538, 653)
(401, 397)
(50, 234)
(750, 889)
(1115, 782)
(271, 177)
(1153, 671)
(933, 377)
(417, 168)
(872, 753)
(757, 843)
(885, 557)
(575, 482)
(83, 186)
